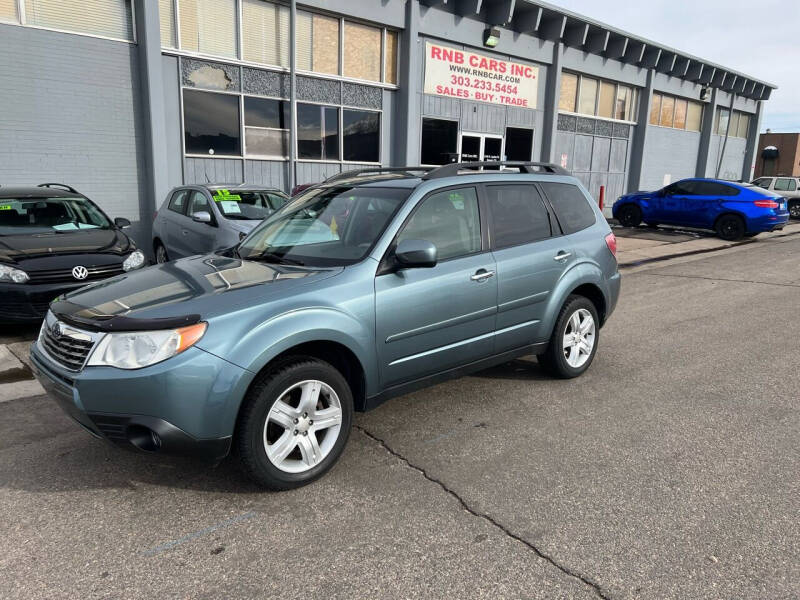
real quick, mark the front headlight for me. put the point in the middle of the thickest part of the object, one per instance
(134, 261)
(11, 274)
(137, 349)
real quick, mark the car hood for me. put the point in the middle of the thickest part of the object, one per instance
(14, 248)
(243, 226)
(182, 292)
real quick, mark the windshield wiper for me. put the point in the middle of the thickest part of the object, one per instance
(271, 257)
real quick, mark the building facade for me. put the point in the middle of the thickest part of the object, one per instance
(778, 154)
(124, 99)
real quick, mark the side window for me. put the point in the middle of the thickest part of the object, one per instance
(518, 215)
(785, 184)
(276, 202)
(571, 206)
(177, 203)
(450, 220)
(763, 182)
(198, 203)
(711, 188)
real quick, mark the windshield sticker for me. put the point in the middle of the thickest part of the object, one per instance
(457, 200)
(230, 207)
(6, 207)
(226, 196)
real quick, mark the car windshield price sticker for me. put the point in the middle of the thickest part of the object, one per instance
(230, 207)
(5, 207)
(460, 74)
(226, 196)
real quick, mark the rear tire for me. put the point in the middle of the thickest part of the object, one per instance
(161, 253)
(629, 215)
(794, 209)
(278, 442)
(574, 341)
(730, 228)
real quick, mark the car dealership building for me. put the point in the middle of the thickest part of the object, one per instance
(124, 99)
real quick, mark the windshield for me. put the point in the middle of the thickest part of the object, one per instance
(325, 226)
(19, 216)
(248, 205)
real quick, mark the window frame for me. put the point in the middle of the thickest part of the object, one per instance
(22, 22)
(435, 118)
(241, 154)
(789, 180)
(555, 226)
(633, 107)
(173, 196)
(341, 135)
(554, 213)
(245, 126)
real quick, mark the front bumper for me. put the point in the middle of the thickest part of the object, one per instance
(28, 302)
(186, 405)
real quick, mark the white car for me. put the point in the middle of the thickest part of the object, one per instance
(788, 187)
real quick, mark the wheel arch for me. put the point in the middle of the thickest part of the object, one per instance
(584, 279)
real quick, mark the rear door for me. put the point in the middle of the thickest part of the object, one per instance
(429, 320)
(531, 256)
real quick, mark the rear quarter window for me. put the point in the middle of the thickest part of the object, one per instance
(572, 209)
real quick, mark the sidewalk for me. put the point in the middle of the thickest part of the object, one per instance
(640, 245)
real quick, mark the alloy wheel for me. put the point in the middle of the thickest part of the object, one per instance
(302, 426)
(579, 338)
(794, 210)
(161, 254)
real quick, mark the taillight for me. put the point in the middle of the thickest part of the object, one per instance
(766, 203)
(611, 242)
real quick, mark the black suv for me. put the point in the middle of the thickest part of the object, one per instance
(53, 240)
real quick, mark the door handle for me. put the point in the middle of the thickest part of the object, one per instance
(562, 255)
(482, 275)
(184, 232)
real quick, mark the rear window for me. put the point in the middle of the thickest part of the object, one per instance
(45, 215)
(572, 208)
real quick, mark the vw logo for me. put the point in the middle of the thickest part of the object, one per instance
(80, 272)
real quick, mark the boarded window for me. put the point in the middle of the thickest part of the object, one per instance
(667, 111)
(317, 43)
(265, 33)
(569, 92)
(605, 106)
(392, 40)
(108, 18)
(680, 114)
(8, 11)
(588, 96)
(208, 26)
(362, 52)
(694, 116)
(166, 15)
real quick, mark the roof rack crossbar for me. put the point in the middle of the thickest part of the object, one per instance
(453, 169)
(69, 188)
(374, 170)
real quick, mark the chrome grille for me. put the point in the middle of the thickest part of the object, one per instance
(66, 345)
(65, 275)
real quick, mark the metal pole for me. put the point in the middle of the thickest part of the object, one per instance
(727, 131)
(292, 95)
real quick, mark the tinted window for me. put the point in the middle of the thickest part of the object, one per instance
(317, 132)
(763, 182)
(518, 215)
(448, 219)
(40, 215)
(361, 133)
(519, 143)
(197, 203)
(439, 141)
(178, 200)
(784, 184)
(211, 123)
(682, 188)
(711, 188)
(571, 206)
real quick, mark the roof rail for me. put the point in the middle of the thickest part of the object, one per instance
(452, 169)
(374, 170)
(69, 188)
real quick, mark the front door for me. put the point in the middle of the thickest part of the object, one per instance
(429, 320)
(480, 147)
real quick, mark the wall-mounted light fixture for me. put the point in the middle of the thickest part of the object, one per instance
(705, 94)
(491, 37)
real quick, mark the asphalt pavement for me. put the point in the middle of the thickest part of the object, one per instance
(669, 470)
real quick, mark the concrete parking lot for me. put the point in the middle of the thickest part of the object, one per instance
(669, 470)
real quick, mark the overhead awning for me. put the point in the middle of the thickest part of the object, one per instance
(769, 152)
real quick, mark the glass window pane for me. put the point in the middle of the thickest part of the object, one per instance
(392, 40)
(734, 124)
(362, 51)
(325, 34)
(197, 203)
(694, 116)
(722, 120)
(588, 96)
(439, 141)
(667, 111)
(309, 131)
(109, 18)
(623, 106)
(605, 107)
(211, 123)
(569, 92)
(449, 220)
(744, 125)
(633, 105)
(680, 114)
(572, 208)
(8, 11)
(265, 32)
(518, 215)
(208, 26)
(166, 16)
(361, 131)
(273, 143)
(177, 201)
(330, 133)
(265, 112)
(655, 110)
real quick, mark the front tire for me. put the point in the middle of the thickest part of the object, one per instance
(294, 423)
(574, 341)
(629, 215)
(730, 228)
(161, 253)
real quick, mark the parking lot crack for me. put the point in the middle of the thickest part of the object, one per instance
(488, 518)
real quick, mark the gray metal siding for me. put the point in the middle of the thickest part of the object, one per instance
(213, 170)
(668, 152)
(70, 109)
(732, 163)
(172, 106)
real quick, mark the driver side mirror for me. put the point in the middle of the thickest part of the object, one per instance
(202, 216)
(122, 222)
(412, 254)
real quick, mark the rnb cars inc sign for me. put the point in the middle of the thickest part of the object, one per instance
(460, 74)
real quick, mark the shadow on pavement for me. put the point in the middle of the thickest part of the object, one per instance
(527, 368)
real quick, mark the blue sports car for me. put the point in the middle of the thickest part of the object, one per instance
(733, 210)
